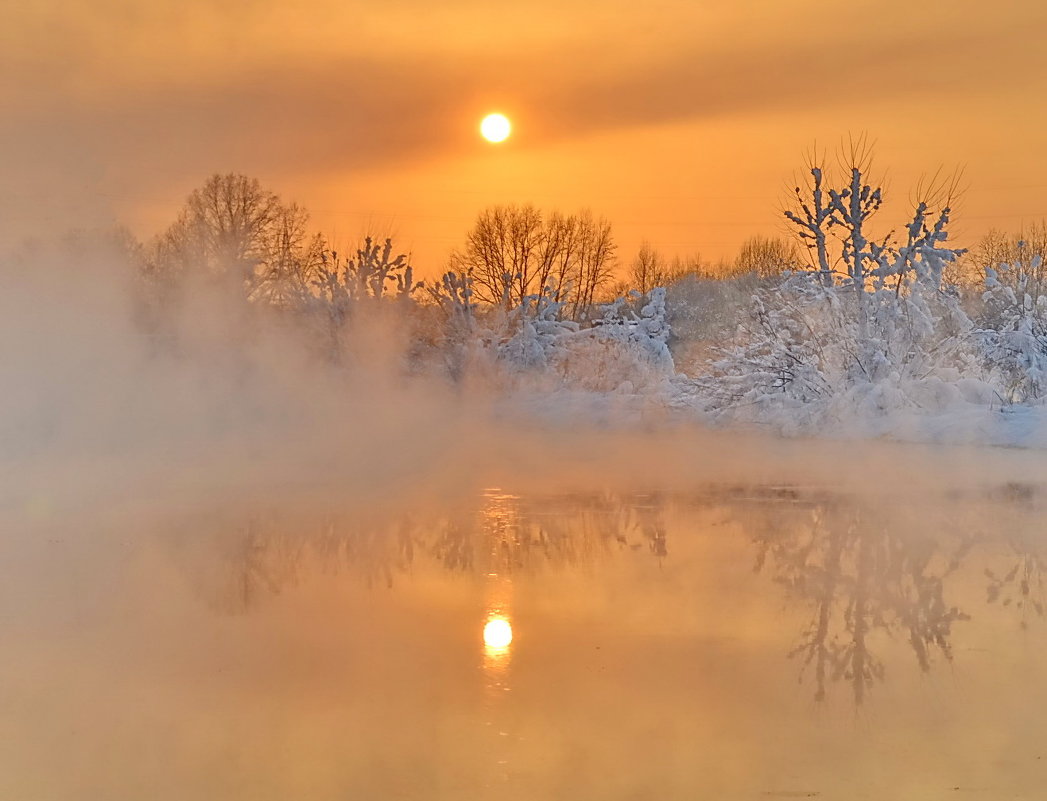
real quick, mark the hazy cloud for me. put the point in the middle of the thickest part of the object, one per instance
(71, 142)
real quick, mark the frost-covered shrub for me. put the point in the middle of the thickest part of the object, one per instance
(534, 346)
(808, 352)
(1013, 335)
(648, 332)
(704, 315)
(621, 348)
(870, 331)
(606, 359)
(537, 332)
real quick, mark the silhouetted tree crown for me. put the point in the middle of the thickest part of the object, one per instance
(513, 252)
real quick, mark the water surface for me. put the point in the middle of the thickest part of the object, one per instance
(724, 642)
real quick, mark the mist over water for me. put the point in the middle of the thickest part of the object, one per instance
(100, 409)
(230, 569)
(665, 645)
(583, 474)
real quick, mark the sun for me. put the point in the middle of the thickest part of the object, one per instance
(495, 127)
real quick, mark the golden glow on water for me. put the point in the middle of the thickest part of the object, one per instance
(498, 634)
(632, 672)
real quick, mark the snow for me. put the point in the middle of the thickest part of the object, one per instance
(880, 349)
(913, 363)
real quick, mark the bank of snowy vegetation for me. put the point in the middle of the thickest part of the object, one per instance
(871, 338)
(868, 335)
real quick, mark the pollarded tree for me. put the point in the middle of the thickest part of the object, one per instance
(833, 223)
(821, 210)
(374, 274)
(873, 334)
(812, 216)
(338, 288)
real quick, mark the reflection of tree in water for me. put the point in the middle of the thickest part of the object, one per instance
(237, 565)
(1018, 581)
(870, 571)
(867, 573)
(862, 574)
(506, 534)
(1021, 586)
(513, 533)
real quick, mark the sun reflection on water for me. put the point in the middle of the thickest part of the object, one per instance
(500, 516)
(498, 635)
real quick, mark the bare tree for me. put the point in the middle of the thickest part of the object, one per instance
(1023, 255)
(650, 269)
(646, 270)
(512, 252)
(502, 254)
(234, 231)
(560, 246)
(224, 225)
(288, 257)
(767, 256)
(593, 265)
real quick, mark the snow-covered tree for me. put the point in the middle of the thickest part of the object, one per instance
(833, 222)
(811, 352)
(869, 329)
(338, 288)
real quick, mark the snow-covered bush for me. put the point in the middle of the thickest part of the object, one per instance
(620, 348)
(704, 314)
(533, 345)
(809, 354)
(1013, 336)
(537, 331)
(781, 351)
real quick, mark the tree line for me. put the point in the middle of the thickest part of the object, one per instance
(233, 231)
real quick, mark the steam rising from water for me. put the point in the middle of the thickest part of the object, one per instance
(101, 415)
(153, 485)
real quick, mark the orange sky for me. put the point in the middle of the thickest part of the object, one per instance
(679, 120)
